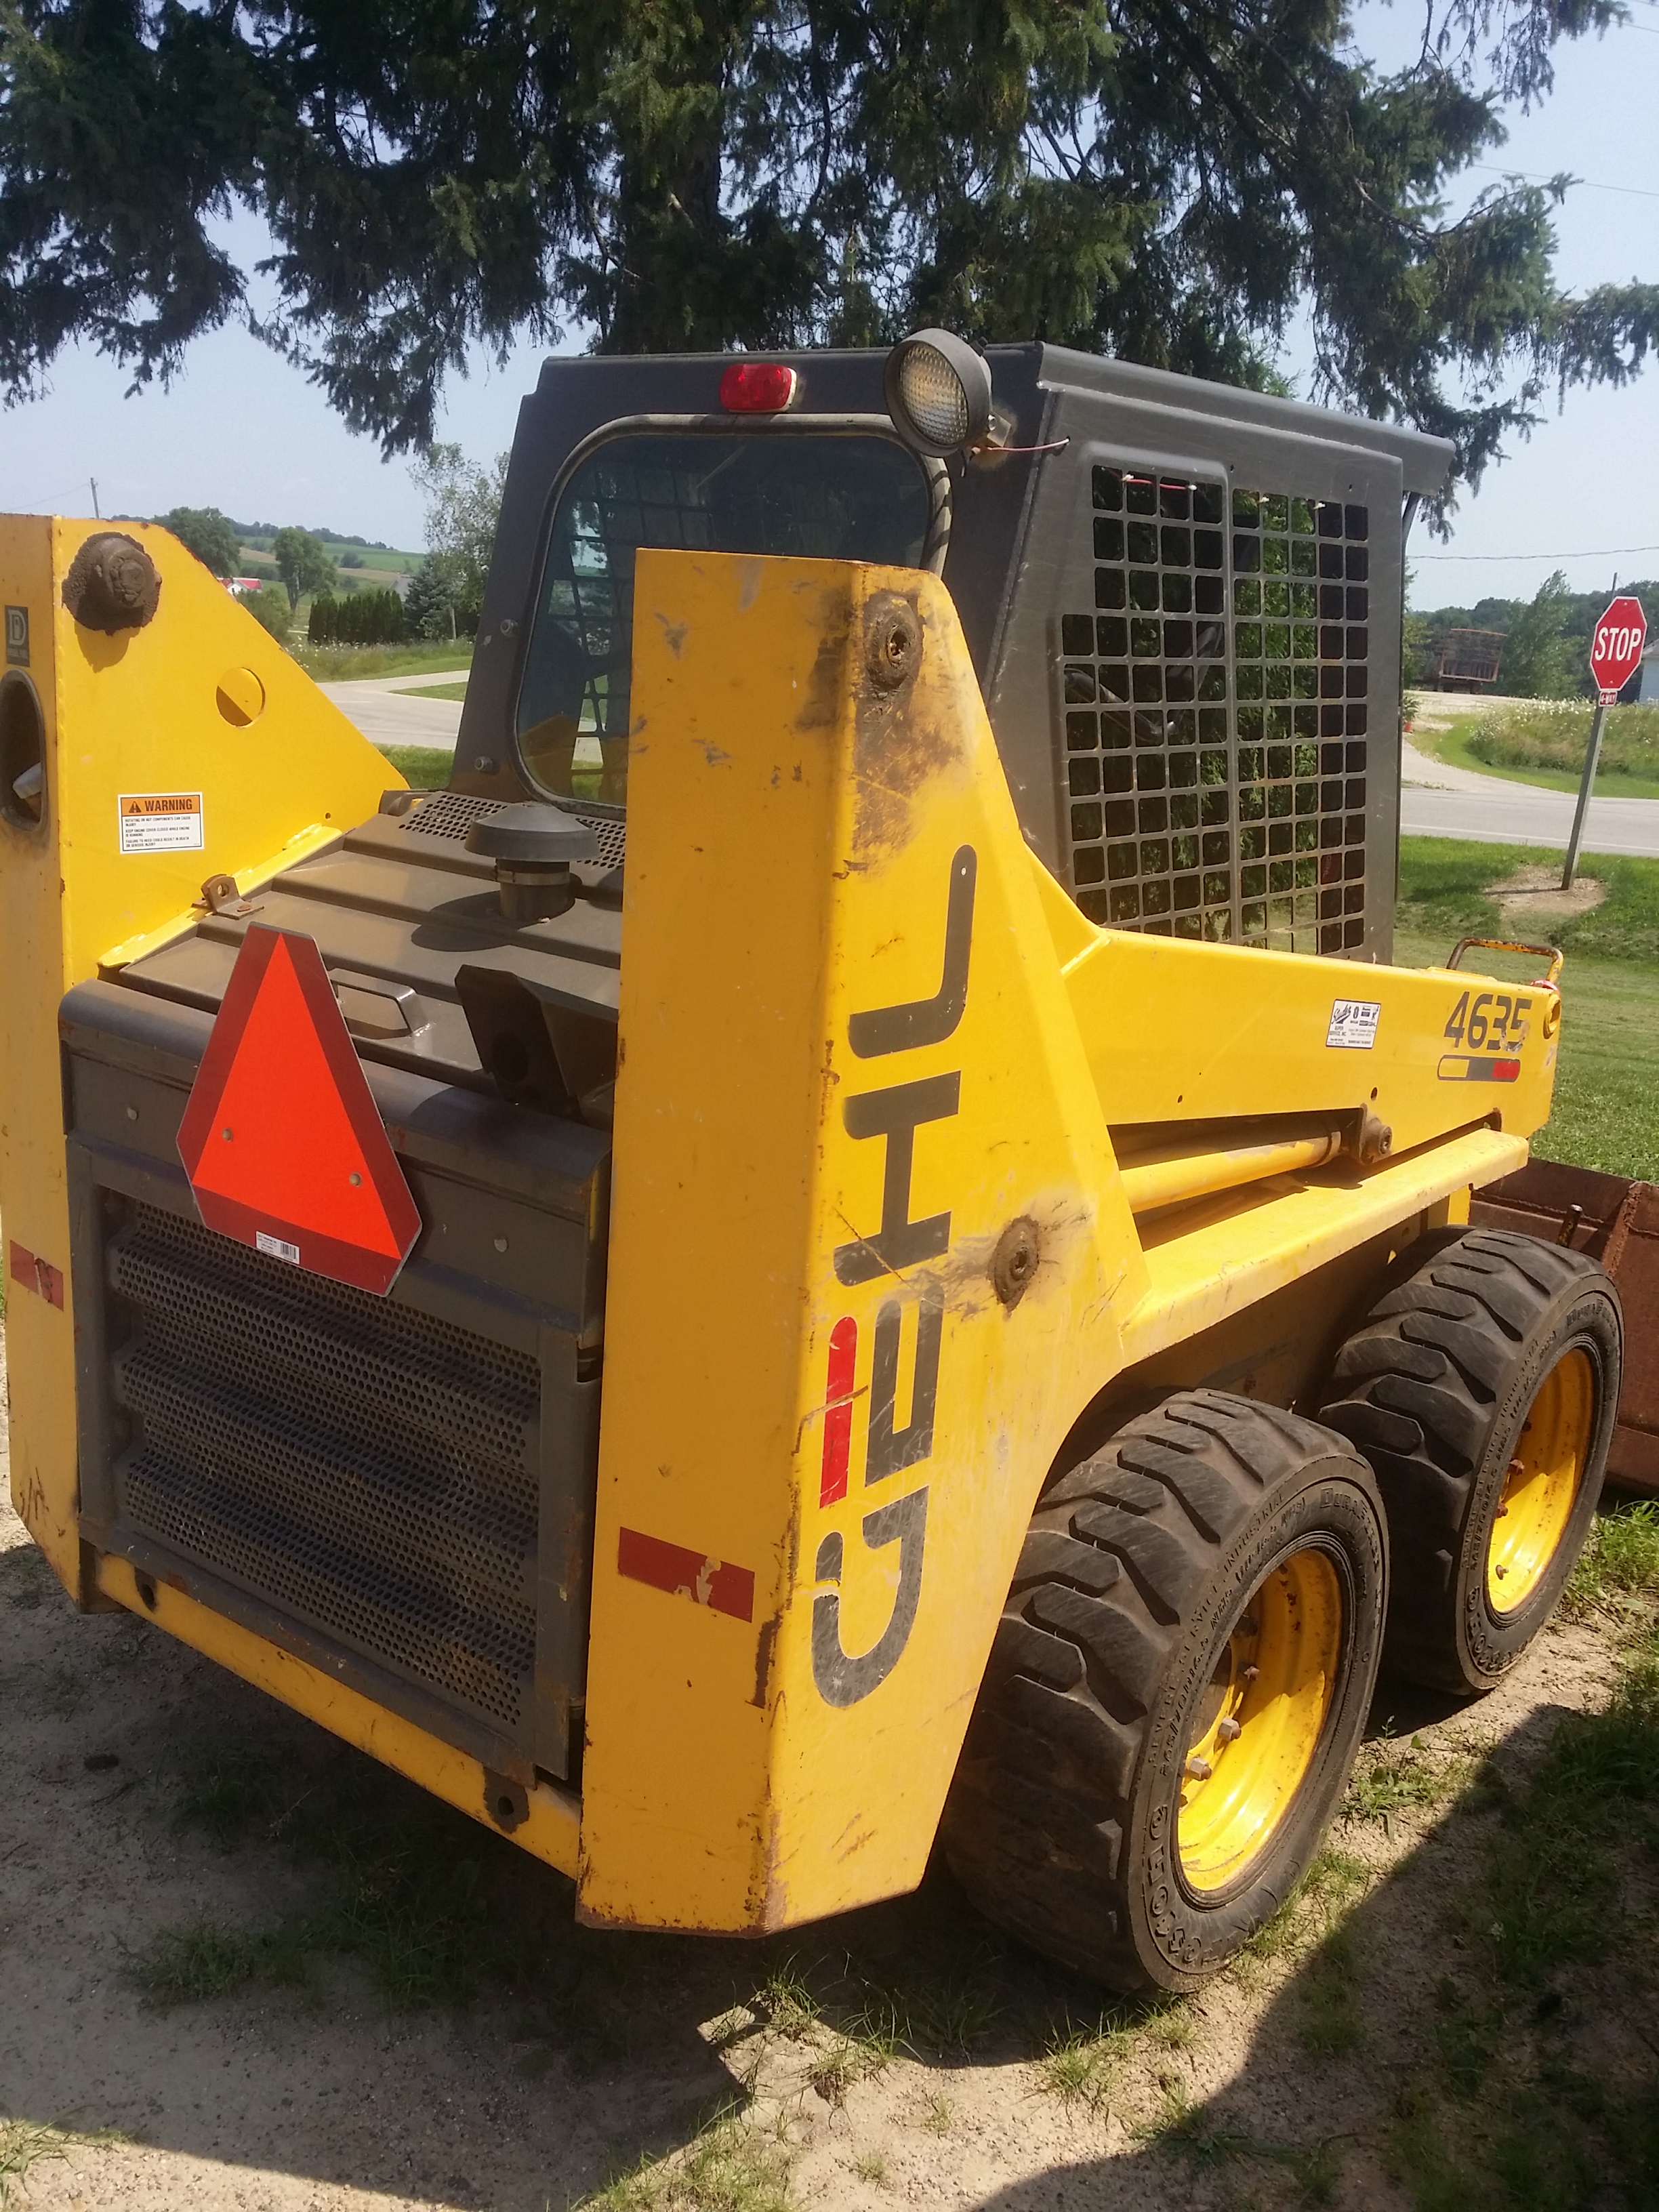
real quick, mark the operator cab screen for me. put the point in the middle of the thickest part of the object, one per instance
(817, 496)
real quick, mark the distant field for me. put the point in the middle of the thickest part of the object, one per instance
(438, 691)
(387, 562)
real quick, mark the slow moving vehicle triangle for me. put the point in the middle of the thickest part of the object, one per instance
(282, 1140)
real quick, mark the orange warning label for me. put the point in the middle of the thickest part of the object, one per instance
(161, 821)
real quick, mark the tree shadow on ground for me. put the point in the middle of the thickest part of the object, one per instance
(1477, 2035)
(228, 1935)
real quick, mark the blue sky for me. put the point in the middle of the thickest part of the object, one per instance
(240, 430)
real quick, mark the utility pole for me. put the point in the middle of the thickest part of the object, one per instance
(96, 517)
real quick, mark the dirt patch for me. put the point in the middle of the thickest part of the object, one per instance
(467, 2046)
(1533, 896)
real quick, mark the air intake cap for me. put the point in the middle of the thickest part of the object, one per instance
(533, 846)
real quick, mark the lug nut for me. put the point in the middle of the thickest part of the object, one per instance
(1200, 1769)
(1228, 1731)
(1250, 1674)
(1501, 1572)
(1517, 1467)
(1502, 1513)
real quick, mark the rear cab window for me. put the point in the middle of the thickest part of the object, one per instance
(806, 492)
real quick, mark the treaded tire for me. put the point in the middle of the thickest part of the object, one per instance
(1062, 1821)
(1434, 1390)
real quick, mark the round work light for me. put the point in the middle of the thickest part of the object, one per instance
(938, 393)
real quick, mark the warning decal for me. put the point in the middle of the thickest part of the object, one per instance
(282, 1140)
(161, 821)
(1352, 1026)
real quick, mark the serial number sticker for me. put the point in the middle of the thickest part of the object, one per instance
(277, 1247)
(1353, 1024)
(161, 821)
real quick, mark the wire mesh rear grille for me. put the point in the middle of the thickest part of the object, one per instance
(367, 1471)
(451, 813)
(1215, 715)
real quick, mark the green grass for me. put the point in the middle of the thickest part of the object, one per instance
(343, 664)
(26, 2143)
(1618, 1566)
(23, 2144)
(1473, 745)
(405, 1888)
(1517, 2107)
(1081, 2065)
(184, 1966)
(424, 766)
(729, 2167)
(1553, 738)
(438, 691)
(1605, 1113)
(1390, 1777)
(1316, 1905)
(1315, 2170)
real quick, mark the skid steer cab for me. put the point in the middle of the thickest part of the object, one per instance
(849, 1240)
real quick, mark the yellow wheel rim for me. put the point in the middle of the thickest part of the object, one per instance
(1261, 1720)
(1542, 1483)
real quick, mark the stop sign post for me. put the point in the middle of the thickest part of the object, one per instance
(1615, 655)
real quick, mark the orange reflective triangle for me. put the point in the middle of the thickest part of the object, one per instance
(282, 1140)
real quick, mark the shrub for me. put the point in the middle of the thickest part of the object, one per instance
(364, 618)
(1555, 737)
(270, 608)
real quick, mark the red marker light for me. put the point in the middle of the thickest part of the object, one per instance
(757, 387)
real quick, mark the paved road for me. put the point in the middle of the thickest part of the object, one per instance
(386, 717)
(1440, 801)
(1435, 801)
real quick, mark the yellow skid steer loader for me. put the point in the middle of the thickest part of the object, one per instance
(848, 1243)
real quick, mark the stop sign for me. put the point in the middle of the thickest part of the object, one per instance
(1616, 647)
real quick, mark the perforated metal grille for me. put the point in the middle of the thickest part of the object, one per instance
(1301, 644)
(452, 813)
(1147, 725)
(1214, 707)
(367, 1471)
(449, 814)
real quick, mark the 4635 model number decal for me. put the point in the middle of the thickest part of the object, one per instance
(1492, 1026)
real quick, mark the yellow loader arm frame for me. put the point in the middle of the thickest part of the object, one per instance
(874, 1251)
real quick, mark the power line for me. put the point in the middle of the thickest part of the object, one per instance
(1596, 553)
(1536, 177)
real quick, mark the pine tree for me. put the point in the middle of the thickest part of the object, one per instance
(1169, 180)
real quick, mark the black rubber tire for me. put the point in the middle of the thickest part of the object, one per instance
(1060, 1822)
(1434, 1390)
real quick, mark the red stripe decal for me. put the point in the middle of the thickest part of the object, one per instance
(1506, 1071)
(38, 1275)
(684, 1573)
(838, 1410)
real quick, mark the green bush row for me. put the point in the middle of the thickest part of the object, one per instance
(364, 618)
